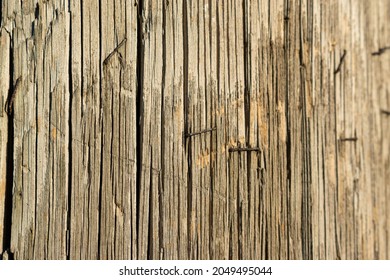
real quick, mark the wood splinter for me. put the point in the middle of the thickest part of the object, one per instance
(2, 104)
(9, 104)
(243, 149)
(341, 62)
(200, 132)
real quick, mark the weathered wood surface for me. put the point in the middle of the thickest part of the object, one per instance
(157, 129)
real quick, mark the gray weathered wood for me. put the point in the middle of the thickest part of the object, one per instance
(157, 129)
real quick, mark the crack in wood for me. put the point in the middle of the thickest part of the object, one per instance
(341, 62)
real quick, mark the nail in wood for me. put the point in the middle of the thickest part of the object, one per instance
(349, 139)
(231, 150)
(385, 112)
(200, 132)
(114, 51)
(381, 50)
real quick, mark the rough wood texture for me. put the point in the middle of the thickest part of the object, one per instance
(226, 129)
(4, 123)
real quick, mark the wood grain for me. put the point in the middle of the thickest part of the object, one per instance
(157, 129)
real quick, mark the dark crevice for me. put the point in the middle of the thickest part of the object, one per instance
(161, 185)
(213, 137)
(336, 202)
(230, 242)
(287, 115)
(99, 252)
(50, 203)
(239, 230)
(139, 110)
(212, 145)
(247, 100)
(35, 236)
(1, 13)
(305, 202)
(161, 215)
(247, 81)
(187, 141)
(82, 60)
(309, 155)
(36, 11)
(70, 88)
(151, 240)
(265, 238)
(81, 49)
(10, 162)
(303, 217)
